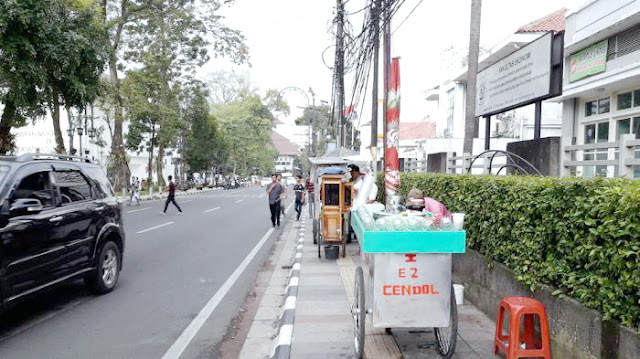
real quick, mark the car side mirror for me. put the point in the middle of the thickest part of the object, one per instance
(23, 206)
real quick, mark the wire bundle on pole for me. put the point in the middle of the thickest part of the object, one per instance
(358, 54)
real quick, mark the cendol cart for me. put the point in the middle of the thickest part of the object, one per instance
(408, 282)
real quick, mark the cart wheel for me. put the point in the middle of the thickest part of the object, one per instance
(358, 311)
(446, 337)
(315, 231)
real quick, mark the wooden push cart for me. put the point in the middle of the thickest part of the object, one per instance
(332, 223)
(408, 283)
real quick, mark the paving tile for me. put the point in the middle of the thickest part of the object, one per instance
(263, 329)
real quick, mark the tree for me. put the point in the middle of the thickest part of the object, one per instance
(73, 72)
(204, 142)
(319, 118)
(246, 124)
(471, 123)
(171, 43)
(224, 86)
(139, 88)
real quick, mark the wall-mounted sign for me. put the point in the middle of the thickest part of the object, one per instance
(589, 61)
(525, 76)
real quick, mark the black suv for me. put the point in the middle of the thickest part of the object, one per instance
(59, 221)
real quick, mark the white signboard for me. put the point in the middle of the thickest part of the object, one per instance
(517, 79)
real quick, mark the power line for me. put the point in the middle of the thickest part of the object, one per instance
(405, 19)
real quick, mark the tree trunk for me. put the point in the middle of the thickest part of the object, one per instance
(55, 114)
(6, 122)
(471, 123)
(150, 166)
(117, 145)
(159, 165)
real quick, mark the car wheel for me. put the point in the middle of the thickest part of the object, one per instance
(105, 277)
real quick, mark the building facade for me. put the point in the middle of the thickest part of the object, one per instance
(601, 90)
(513, 125)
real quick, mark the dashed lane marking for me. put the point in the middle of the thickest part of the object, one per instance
(155, 227)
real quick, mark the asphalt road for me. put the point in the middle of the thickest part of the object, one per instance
(173, 267)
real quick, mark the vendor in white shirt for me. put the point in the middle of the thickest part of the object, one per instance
(358, 180)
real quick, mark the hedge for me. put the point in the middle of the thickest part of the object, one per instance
(581, 236)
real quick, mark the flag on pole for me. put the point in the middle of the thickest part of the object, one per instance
(391, 161)
(347, 111)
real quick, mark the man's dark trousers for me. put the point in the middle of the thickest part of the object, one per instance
(171, 199)
(275, 213)
(298, 208)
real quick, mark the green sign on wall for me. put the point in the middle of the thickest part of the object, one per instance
(589, 61)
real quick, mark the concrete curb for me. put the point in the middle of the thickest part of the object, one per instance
(282, 342)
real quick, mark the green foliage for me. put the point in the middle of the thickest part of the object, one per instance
(246, 125)
(205, 145)
(52, 53)
(581, 236)
(320, 118)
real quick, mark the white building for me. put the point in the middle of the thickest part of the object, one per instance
(39, 137)
(514, 125)
(287, 153)
(601, 92)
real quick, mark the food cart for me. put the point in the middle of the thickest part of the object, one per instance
(332, 225)
(408, 282)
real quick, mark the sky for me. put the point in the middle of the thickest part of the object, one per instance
(286, 39)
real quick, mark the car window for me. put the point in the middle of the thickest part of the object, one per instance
(102, 185)
(73, 186)
(35, 186)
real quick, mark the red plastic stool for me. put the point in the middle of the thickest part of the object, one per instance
(528, 346)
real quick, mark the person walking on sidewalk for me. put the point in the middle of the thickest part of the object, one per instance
(274, 191)
(298, 189)
(134, 188)
(171, 197)
(283, 196)
(311, 196)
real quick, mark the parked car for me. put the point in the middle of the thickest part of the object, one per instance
(265, 181)
(59, 221)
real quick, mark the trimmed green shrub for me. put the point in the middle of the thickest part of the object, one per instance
(581, 236)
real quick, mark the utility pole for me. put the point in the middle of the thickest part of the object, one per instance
(374, 107)
(340, 71)
(471, 124)
(386, 63)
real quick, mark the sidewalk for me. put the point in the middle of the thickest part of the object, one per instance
(320, 314)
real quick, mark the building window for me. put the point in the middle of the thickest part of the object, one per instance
(636, 98)
(628, 126)
(594, 107)
(590, 108)
(624, 43)
(603, 105)
(624, 100)
(596, 133)
(450, 111)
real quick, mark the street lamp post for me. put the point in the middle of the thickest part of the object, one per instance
(79, 129)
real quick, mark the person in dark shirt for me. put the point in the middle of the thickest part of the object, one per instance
(311, 197)
(298, 189)
(274, 191)
(171, 197)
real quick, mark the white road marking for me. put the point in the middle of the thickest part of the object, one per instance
(192, 329)
(138, 210)
(155, 227)
(189, 200)
(212, 209)
(240, 200)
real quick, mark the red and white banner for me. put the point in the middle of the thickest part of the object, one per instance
(391, 161)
